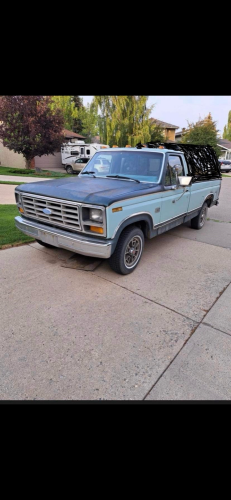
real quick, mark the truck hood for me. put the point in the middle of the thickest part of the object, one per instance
(93, 190)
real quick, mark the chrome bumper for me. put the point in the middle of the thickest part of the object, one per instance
(65, 239)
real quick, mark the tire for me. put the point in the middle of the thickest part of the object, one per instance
(122, 260)
(199, 221)
(227, 171)
(69, 170)
(44, 244)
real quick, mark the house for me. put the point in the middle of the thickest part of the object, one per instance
(50, 162)
(168, 129)
(16, 160)
(225, 146)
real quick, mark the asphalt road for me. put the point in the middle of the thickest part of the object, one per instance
(72, 329)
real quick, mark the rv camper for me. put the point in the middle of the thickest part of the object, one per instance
(79, 149)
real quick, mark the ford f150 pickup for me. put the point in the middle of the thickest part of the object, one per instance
(107, 213)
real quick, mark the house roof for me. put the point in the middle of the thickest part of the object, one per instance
(163, 124)
(181, 132)
(225, 143)
(69, 134)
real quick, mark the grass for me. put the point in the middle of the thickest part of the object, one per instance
(12, 183)
(9, 234)
(224, 175)
(30, 173)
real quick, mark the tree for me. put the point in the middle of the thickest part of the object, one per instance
(29, 126)
(89, 119)
(202, 132)
(123, 119)
(77, 122)
(67, 105)
(157, 133)
(227, 128)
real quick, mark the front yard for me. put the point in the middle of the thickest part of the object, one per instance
(9, 234)
(30, 173)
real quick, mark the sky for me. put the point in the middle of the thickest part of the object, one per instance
(178, 110)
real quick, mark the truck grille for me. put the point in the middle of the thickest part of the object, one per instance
(62, 213)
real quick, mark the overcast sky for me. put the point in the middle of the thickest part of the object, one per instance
(178, 110)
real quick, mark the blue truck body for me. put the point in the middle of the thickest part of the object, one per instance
(93, 213)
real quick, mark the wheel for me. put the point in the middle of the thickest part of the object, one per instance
(44, 244)
(227, 171)
(128, 251)
(199, 221)
(69, 170)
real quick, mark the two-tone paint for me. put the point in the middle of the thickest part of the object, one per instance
(155, 207)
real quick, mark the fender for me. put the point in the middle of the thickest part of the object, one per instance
(144, 218)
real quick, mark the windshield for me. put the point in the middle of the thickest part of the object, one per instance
(141, 166)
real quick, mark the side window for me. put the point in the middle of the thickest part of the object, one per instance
(88, 151)
(174, 169)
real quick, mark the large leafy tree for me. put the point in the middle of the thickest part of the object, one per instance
(227, 128)
(29, 126)
(202, 132)
(123, 119)
(66, 104)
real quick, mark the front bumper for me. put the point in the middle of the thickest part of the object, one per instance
(84, 245)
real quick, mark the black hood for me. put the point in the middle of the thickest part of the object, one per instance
(95, 191)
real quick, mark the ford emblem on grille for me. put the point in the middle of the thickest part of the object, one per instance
(47, 211)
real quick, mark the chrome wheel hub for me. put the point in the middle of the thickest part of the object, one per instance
(133, 252)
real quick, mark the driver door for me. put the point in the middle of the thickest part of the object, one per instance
(176, 198)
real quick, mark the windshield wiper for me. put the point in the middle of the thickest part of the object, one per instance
(121, 177)
(83, 173)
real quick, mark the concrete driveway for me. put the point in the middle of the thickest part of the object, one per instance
(72, 329)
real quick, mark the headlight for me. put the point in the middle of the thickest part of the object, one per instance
(96, 215)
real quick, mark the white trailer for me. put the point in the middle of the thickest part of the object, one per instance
(79, 149)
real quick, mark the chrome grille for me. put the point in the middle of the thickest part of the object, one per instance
(62, 213)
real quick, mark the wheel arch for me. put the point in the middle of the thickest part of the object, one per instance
(209, 199)
(144, 221)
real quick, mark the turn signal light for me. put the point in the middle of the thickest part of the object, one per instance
(21, 210)
(96, 229)
(118, 209)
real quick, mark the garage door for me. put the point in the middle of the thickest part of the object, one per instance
(49, 162)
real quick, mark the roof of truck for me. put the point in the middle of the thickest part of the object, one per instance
(143, 150)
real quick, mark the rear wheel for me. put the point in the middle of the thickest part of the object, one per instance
(45, 244)
(128, 251)
(69, 170)
(199, 221)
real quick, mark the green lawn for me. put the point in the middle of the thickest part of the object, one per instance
(14, 183)
(9, 234)
(30, 173)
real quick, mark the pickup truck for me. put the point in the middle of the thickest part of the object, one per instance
(143, 192)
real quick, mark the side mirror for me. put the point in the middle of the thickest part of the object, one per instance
(184, 180)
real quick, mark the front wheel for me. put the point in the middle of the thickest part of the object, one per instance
(69, 170)
(199, 221)
(128, 251)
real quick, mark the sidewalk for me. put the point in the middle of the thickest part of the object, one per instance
(22, 178)
(7, 190)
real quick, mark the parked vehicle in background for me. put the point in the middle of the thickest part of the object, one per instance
(225, 165)
(121, 197)
(79, 149)
(75, 166)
